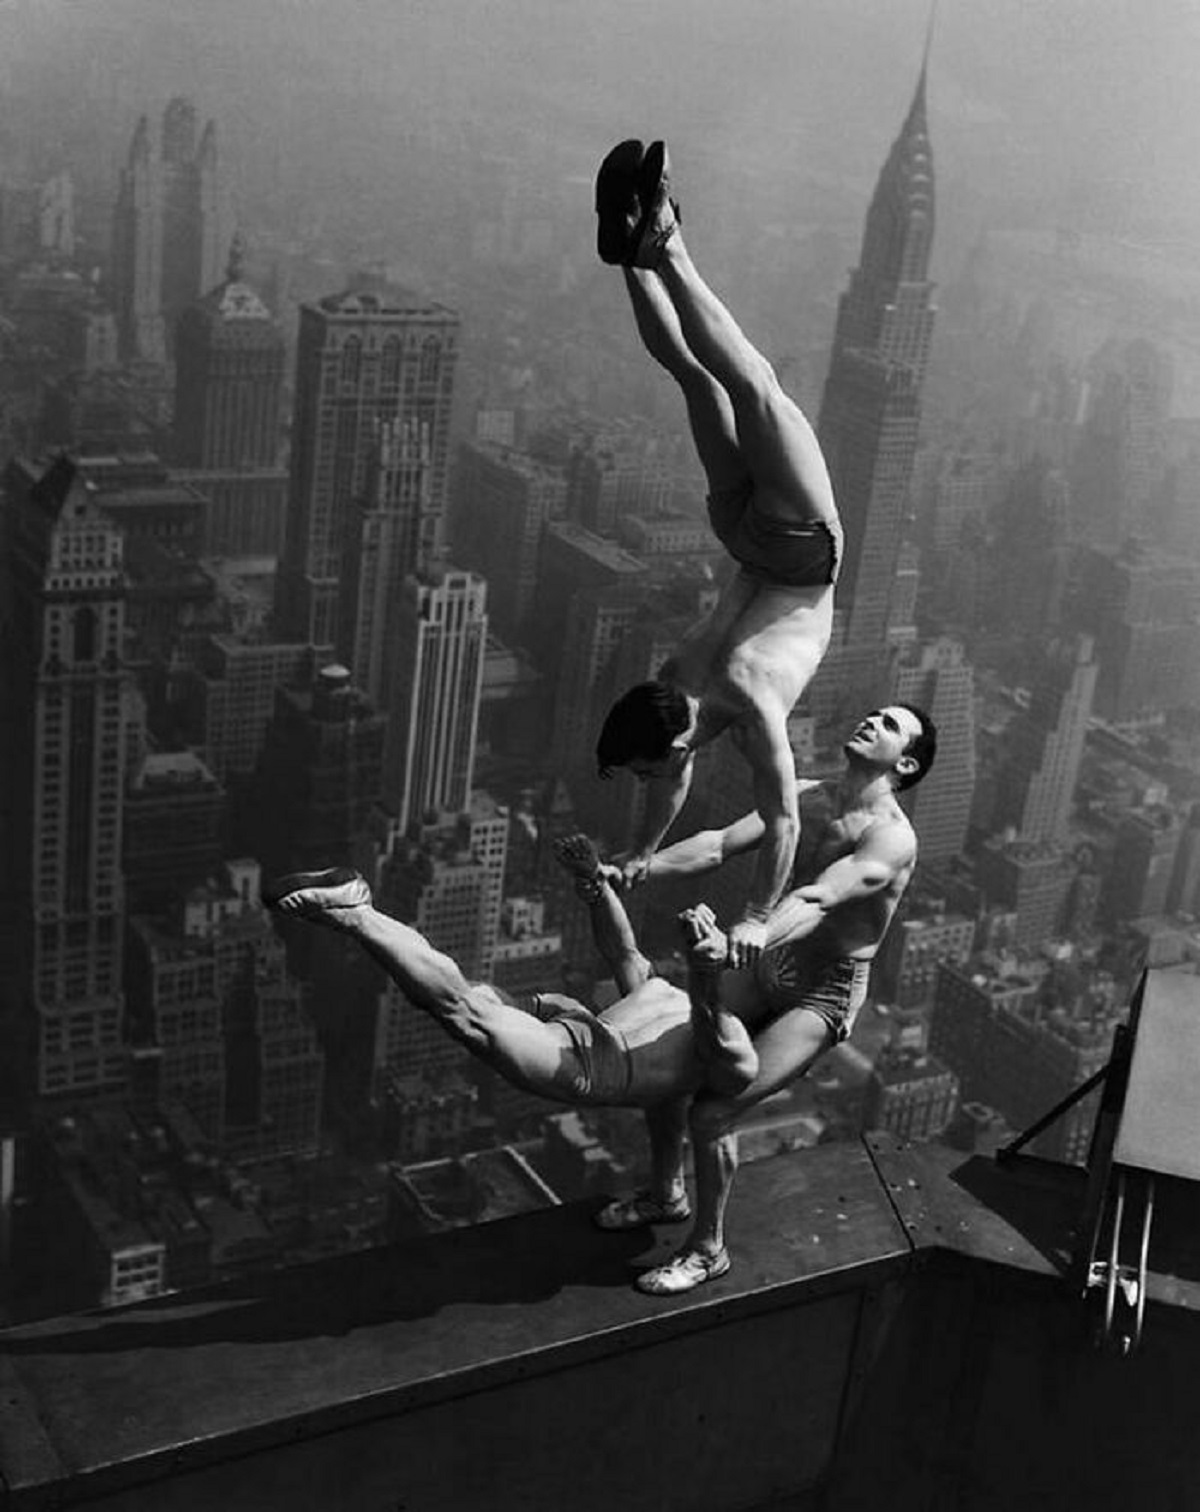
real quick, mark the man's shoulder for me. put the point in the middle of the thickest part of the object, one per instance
(895, 829)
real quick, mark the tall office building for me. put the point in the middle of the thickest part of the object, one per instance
(319, 775)
(229, 361)
(1044, 744)
(1142, 606)
(938, 678)
(373, 355)
(502, 501)
(1028, 558)
(572, 560)
(433, 725)
(1143, 864)
(193, 241)
(870, 411)
(446, 879)
(229, 696)
(391, 534)
(68, 703)
(168, 229)
(137, 251)
(1121, 455)
(598, 619)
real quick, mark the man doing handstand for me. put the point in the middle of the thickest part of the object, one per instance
(771, 505)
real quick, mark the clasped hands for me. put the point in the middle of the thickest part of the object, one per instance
(711, 949)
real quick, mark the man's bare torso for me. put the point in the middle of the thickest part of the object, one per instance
(827, 833)
(761, 645)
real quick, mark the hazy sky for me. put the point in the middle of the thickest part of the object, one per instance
(1090, 105)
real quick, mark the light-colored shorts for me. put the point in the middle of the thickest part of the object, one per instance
(603, 1061)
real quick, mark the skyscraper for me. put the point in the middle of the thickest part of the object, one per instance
(319, 773)
(441, 636)
(938, 678)
(1045, 744)
(870, 410)
(168, 229)
(390, 533)
(192, 241)
(1142, 606)
(137, 251)
(503, 498)
(373, 355)
(68, 702)
(229, 361)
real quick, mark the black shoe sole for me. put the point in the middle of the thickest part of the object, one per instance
(616, 185)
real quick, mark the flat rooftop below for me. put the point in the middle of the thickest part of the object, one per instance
(120, 1398)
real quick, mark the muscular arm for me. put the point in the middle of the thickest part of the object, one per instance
(880, 856)
(707, 849)
(615, 940)
(664, 798)
(765, 744)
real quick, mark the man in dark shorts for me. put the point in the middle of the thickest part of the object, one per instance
(698, 1058)
(856, 855)
(771, 505)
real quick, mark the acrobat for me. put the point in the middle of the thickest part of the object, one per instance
(696, 1058)
(771, 505)
(856, 856)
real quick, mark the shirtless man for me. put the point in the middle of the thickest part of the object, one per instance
(643, 1050)
(857, 852)
(771, 505)
(658, 1046)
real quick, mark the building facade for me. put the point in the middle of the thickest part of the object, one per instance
(70, 711)
(372, 356)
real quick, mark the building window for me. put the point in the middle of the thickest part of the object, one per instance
(84, 643)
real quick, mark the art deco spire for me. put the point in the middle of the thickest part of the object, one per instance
(899, 228)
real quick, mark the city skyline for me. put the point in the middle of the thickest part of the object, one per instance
(378, 547)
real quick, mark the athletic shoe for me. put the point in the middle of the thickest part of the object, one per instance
(688, 1270)
(639, 1211)
(660, 213)
(317, 894)
(616, 196)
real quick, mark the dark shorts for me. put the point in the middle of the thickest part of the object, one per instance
(603, 1063)
(779, 551)
(834, 988)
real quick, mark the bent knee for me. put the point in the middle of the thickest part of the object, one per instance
(715, 1109)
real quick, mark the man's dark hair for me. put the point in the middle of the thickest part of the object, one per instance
(923, 746)
(641, 726)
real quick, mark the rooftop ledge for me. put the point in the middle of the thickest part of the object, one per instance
(894, 1316)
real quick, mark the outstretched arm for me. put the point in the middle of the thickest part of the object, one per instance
(707, 849)
(764, 740)
(664, 799)
(883, 852)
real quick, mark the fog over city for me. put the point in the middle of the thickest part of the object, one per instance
(341, 504)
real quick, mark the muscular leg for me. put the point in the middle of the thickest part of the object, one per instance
(776, 442)
(786, 1049)
(710, 413)
(537, 1056)
(666, 1124)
